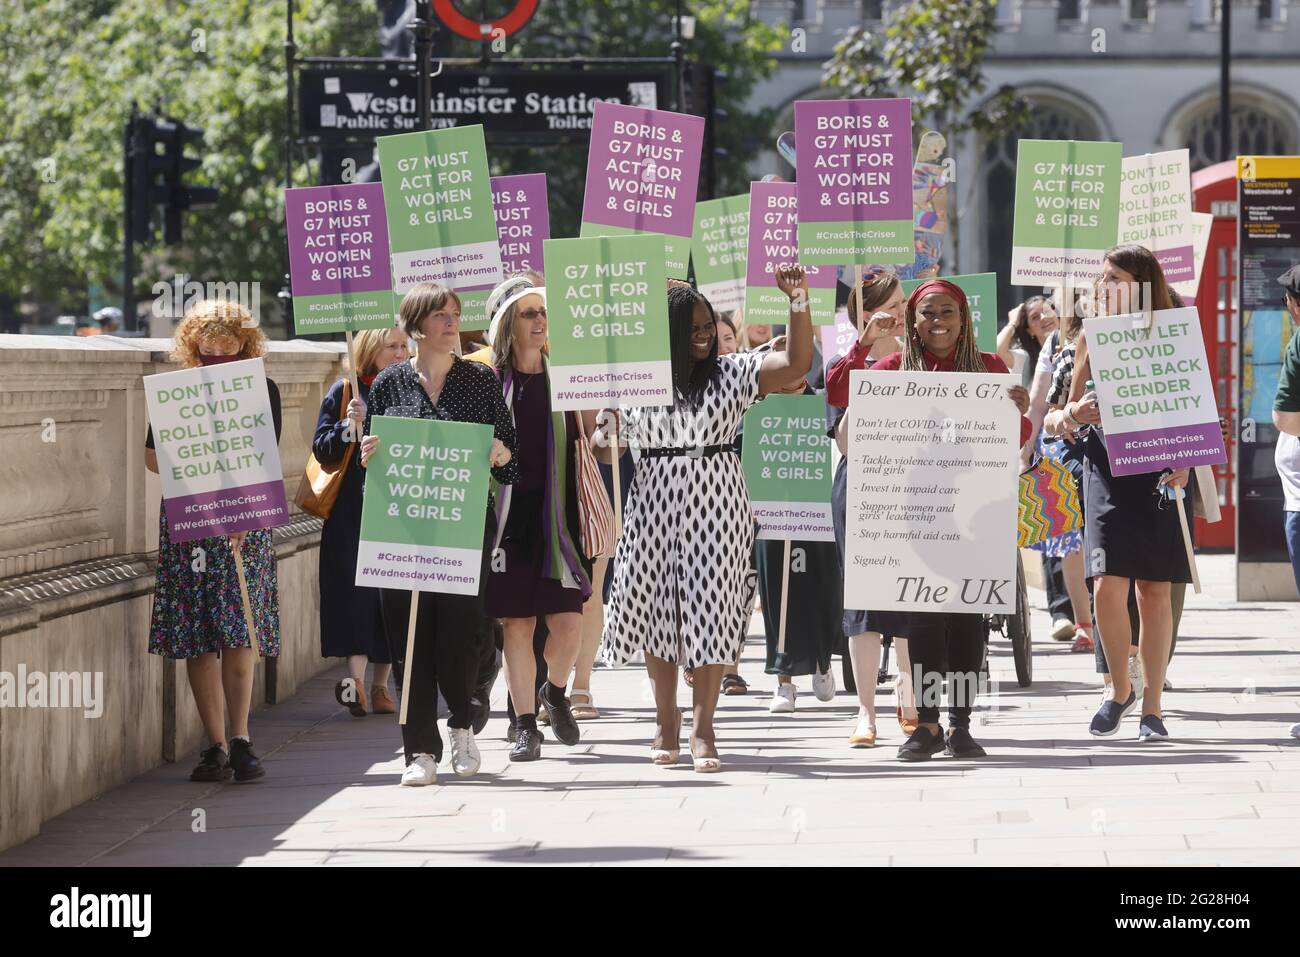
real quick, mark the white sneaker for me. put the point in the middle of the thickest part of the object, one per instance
(824, 685)
(465, 758)
(1062, 630)
(422, 770)
(782, 700)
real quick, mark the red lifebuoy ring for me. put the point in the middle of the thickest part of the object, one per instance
(470, 29)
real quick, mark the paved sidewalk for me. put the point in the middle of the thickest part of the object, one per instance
(1227, 791)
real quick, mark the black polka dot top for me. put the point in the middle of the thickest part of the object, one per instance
(471, 393)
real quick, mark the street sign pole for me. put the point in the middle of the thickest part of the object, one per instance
(130, 318)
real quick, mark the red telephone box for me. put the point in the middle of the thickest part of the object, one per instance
(1214, 190)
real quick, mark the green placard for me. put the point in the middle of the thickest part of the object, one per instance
(787, 461)
(441, 225)
(422, 518)
(1067, 210)
(769, 305)
(608, 323)
(677, 249)
(719, 250)
(981, 289)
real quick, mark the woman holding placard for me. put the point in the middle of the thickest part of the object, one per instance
(939, 336)
(198, 612)
(538, 568)
(450, 629)
(1132, 537)
(882, 298)
(351, 625)
(678, 590)
(1063, 554)
(816, 595)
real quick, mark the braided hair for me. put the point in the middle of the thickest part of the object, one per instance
(689, 381)
(966, 357)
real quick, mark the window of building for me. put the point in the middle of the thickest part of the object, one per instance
(1139, 9)
(1068, 10)
(873, 9)
(1254, 132)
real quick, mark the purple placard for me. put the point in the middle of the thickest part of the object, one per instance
(338, 239)
(855, 160)
(643, 168)
(1178, 264)
(837, 338)
(523, 220)
(226, 511)
(773, 236)
(1177, 447)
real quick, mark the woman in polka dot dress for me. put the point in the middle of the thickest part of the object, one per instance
(679, 573)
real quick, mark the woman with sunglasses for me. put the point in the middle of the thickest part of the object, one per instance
(939, 336)
(1133, 538)
(538, 569)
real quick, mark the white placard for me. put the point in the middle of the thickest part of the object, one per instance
(1155, 210)
(931, 505)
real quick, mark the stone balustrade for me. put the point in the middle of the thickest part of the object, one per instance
(78, 538)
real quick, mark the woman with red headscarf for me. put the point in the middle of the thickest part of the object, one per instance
(939, 336)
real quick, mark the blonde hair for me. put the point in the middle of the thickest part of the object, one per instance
(366, 346)
(503, 335)
(422, 299)
(216, 319)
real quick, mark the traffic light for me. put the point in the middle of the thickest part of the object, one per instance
(157, 167)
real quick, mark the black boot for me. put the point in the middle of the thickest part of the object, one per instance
(247, 765)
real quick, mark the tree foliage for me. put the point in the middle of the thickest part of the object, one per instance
(71, 70)
(727, 36)
(932, 51)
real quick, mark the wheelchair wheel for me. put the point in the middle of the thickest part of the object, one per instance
(1017, 625)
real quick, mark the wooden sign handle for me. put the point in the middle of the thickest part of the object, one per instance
(1187, 541)
(248, 605)
(410, 656)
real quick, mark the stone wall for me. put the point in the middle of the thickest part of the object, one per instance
(78, 537)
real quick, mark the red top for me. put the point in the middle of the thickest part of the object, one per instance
(933, 363)
(837, 376)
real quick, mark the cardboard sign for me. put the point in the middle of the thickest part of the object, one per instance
(719, 250)
(422, 518)
(854, 173)
(1067, 210)
(643, 170)
(773, 221)
(338, 258)
(931, 506)
(217, 453)
(608, 323)
(441, 224)
(523, 220)
(1155, 210)
(787, 461)
(1158, 409)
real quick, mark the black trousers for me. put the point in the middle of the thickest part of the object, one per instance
(1058, 598)
(450, 635)
(946, 648)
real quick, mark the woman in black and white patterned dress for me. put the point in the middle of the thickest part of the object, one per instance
(679, 573)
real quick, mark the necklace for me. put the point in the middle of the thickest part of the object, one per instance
(523, 378)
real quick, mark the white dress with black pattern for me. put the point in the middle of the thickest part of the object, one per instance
(687, 531)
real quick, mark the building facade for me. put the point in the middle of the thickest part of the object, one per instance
(1143, 72)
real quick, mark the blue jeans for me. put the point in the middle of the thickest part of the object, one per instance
(1293, 544)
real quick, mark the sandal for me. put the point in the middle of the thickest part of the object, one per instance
(688, 676)
(585, 710)
(733, 684)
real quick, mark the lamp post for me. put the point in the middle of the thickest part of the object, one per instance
(1225, 81)
(679, 59)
